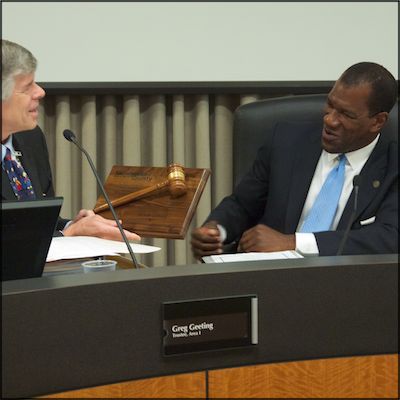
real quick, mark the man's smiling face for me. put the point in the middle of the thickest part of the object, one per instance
(20, 110)
(348, 125)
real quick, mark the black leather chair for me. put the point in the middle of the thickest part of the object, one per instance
(253, 121)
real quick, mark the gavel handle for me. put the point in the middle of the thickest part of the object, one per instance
(131, 196)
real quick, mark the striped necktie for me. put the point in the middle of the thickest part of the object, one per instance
(322, 213)
(18, 178)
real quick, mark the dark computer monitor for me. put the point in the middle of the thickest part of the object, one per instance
(27, 228)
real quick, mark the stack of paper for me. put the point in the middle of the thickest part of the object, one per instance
(70, 247)
(275, 255)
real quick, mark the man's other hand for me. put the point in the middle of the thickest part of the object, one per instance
(206, 240)
(264, 238)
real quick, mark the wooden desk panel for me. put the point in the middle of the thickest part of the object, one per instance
(350, 377)
(177, 386)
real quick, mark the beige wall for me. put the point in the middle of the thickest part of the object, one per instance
(203, 41)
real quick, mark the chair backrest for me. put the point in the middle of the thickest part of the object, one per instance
(254, 121)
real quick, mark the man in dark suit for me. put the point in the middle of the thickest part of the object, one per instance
(27, 151)
(271, 207)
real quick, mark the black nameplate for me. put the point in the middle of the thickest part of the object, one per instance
(210, 324)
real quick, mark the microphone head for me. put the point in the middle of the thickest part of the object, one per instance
(69, 135)
(357, 180)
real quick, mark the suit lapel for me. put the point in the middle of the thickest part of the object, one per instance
(6, 190)
(372, 175)
(306, 157)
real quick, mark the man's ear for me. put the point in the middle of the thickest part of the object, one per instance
(379, 120)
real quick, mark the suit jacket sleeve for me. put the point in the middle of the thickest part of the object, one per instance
(246, 205)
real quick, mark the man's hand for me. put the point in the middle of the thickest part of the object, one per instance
(264, 238)
(81, 214)
(206, 240)
(87, 223)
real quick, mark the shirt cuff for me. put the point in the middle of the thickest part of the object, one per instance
(66, 226)
(222, 233)
(306, 244)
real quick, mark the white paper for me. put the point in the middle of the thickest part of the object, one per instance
(274, 255)
(68, 247)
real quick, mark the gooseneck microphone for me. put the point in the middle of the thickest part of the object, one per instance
(356, 185)
(69, 135)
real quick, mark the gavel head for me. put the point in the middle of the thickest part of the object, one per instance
(176, 180)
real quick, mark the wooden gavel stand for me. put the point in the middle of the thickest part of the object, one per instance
(175, 183)
(154, 201)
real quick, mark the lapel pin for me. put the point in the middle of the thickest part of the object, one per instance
(376, 184)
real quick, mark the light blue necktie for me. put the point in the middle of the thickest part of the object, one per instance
(323, 211)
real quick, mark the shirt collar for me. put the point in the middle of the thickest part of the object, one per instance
(8, 143)
(358, 157)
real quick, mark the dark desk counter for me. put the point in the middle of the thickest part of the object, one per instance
(65, 332)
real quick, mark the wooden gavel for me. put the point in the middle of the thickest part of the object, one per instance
(175, 182)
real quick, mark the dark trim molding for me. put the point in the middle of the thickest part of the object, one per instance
(244, 87)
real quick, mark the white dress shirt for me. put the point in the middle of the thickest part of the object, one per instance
(306, 242)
